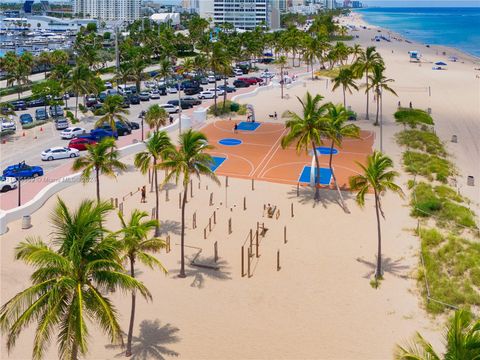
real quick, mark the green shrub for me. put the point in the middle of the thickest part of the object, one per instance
(34, 124)
(428, 165)
(413, 117)
(71, 117)
(452, 269)
(242, 110)
(234, 107)
(227, 109)
(99, 112)
(82, 108)
(422, 140)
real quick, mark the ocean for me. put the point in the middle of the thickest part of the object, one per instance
(454, 27)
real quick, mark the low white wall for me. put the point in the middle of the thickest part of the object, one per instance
(7, 216)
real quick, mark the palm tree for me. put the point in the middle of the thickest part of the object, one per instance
(18, 70)
(306, 129)
(462, 340)
(157, 146)
(165, 70)
(336, 130)
(156, 117)
(310, 51)
(136, 244)
(44, 59)
(365, 62)
(356, 51)
(61, 74)
(79, 83)
(282, 62)
(376, 177)
(69, 282)
(346, 79)
(379, 83)
(190, 159)
(216, 62)
(112, 107)
(123, 73)
(187, 66)
(101, 158)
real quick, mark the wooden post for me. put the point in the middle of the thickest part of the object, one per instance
(215, 249)
(251, 235)
(278, 260)
(226, 181)
(248, 264)
(149, 176)
(152, 215)
(298, 189)
(257, 244)
(253, 184)
(291, 209)
(116, 203)
(120, 208)
(166, 195)
(229, 226)
(285, 234)
(204, 233)
(210, 224)
(191, 188)
(194, 221)
(111, 202)
(198, 185)
(211, 199)
(179, 200)
(243, 262)
(168, 244)
(214, 216)
(244, 203)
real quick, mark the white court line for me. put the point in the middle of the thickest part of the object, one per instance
(274, 148)
(252, 167)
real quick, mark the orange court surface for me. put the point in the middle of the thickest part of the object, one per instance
(258, 154)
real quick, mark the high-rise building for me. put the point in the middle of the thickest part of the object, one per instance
(246, 14)
(128, 10)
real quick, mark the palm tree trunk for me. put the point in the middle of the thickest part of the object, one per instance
(317, 172)
(215, 97)
(281, 80)
(155, 179)
(76, 106)
(182, 238)
(378, 272)
(74, 351)
(335, 179)
(97, 175)
(368, 97)
(132, 312)
(378, 109)
(224, 92)
(344, 98)
(312, 69)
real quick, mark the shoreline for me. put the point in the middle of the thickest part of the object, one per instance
(448, 50)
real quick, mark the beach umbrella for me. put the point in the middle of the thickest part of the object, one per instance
(440, 63)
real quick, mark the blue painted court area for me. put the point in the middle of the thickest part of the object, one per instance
(248, 126)
(325, 175)
(217, 161)
(230, 142)
(324, 150)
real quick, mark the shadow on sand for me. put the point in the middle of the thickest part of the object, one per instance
(199, 274)
(327, 196)
(170, 226)
(393, 267)
(152, 341)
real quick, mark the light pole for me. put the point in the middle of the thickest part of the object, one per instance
(19, 191)
(142, 116)
(381, 119)
(179, 107)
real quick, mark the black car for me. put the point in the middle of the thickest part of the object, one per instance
(240, 84)
(121, 128)
(162, 90)
(185, 105)
(102, 96)
(193, 90)
(132, 124)
(19, 105)
(56, 111)
(126, 102)
(91, 101)
(134, 99)
(191, 100)
(228, 89)
(36, 103)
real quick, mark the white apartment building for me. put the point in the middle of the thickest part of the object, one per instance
(127, 10)
(244, 14)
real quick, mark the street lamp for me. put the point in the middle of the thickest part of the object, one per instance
(19, 191)
(142, 116)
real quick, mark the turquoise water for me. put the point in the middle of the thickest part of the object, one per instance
(454, 27)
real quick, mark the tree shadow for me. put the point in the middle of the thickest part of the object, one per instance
(306, 195)
(200, 273)
(393, 267)
(170, 226)
(151, 342)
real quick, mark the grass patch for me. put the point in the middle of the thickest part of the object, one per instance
(452, 268)
(230, 107)
(430, 166)
(34, 124)
(422, 140)
(330, 73)
(444, 204)
(413, 117)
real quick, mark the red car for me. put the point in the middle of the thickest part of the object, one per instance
(251, 81)
(259, 80)
(81, 143)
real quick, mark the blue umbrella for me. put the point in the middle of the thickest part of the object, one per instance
(440, 63)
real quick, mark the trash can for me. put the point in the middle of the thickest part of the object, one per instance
(470, 180)
(26, 222)
(429, 110)
(454, 138)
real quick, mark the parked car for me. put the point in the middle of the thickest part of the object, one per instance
(99, 134)
(170, 108)
(126, 102)
(72, 132)
(22, 170)
(36, 103)
(249, 80)
(61, 123)
(193, 90)
(154, 94)
(172, 90)
(206, 95)
(257, 79)
(102, 96)
(108, 85)
(132, 124)
(7, 183)
(185, 105)
(41, 114)
(134, 99)
(228, 89)
(267, 75)
(144, 96)
(19, 105)
(121, 128)
(211, 78)
(191, 100)
(26, 119)
(7, 124)
(219, 92)
(56, 153)
(81, 143)
(56, 110)
(204, 81)
(91, 101)
(240, 84)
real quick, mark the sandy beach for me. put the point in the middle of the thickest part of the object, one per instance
(319, 305)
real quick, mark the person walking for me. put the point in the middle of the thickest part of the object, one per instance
(235, 128)
(143, 192)
(275, 115)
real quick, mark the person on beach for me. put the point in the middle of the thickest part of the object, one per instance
(410, 105)
(143, 192)
(235, 128)
(171, 119)
(275, 115)
(399, 104)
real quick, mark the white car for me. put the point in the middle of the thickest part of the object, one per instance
(7, 183)
(108, 85)
(7, 124)
(206, 95)
(150, 84)
(238, 72)
(172, 90)
(169, 108)
(59, 153)
(211, 78)
(220, 92)
(72, 132)
(154, 94)
(267, 75)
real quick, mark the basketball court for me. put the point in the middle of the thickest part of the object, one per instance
(254, 151)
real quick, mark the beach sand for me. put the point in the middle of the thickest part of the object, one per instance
(320, 304)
